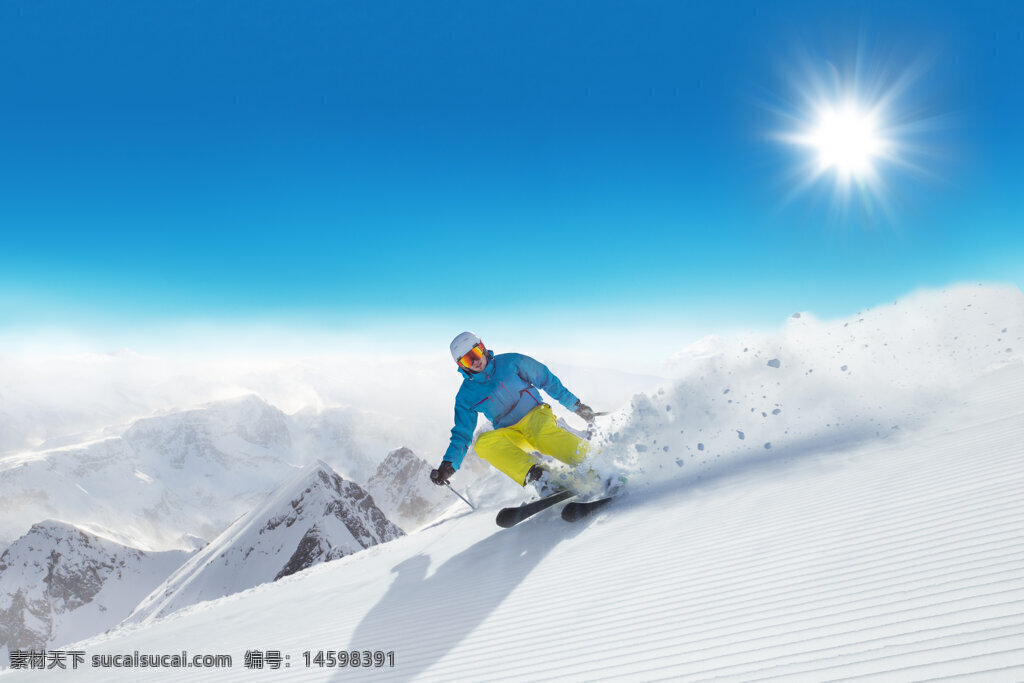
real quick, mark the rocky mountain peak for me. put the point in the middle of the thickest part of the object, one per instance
(316, 516)
(402, 488)
(56, 569)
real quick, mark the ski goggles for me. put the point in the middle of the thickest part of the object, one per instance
(472, 356)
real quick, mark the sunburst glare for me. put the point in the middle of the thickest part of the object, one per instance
(851, 131)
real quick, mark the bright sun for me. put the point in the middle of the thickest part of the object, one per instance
(860, 133)
(856, 131)
(846, 139)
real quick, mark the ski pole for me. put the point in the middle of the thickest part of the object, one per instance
(460, 496)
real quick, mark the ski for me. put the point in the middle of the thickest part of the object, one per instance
(509, 517)
(577, 510)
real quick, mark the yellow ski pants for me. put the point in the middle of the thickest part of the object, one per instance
(510, 449)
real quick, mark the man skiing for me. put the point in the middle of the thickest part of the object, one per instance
(504, 388)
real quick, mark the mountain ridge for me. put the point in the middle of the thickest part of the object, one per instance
(59, 583)
(313, 517)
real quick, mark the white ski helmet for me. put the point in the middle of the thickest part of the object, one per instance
(461, 345)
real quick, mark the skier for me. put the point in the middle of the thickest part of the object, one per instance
(504, 388)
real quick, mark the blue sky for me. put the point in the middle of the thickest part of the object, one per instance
(543, 166)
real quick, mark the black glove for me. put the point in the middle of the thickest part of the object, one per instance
(585, 411)
(443, 472)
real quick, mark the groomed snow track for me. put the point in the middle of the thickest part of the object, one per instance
(896, 561)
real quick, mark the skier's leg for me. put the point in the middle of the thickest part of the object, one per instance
(541, 430)
(507, 450)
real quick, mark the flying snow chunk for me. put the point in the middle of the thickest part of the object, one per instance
(774, 363)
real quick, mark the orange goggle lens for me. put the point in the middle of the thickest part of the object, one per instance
(474, 354)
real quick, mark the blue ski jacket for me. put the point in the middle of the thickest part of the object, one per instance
(504, 391)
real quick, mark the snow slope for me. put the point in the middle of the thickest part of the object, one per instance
(861, 552)
(902, 560)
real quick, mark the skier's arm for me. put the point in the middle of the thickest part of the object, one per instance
(539, 376)
(462, 432)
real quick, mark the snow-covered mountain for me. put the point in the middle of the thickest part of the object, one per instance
(59, 583)
(186, 473)
(231, 435)
(100, 394)
(314, 517)
(402, 488)
(170, 478)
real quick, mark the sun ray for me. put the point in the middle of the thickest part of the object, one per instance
(852, 129)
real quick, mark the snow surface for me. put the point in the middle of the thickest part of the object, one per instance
(838, 501)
